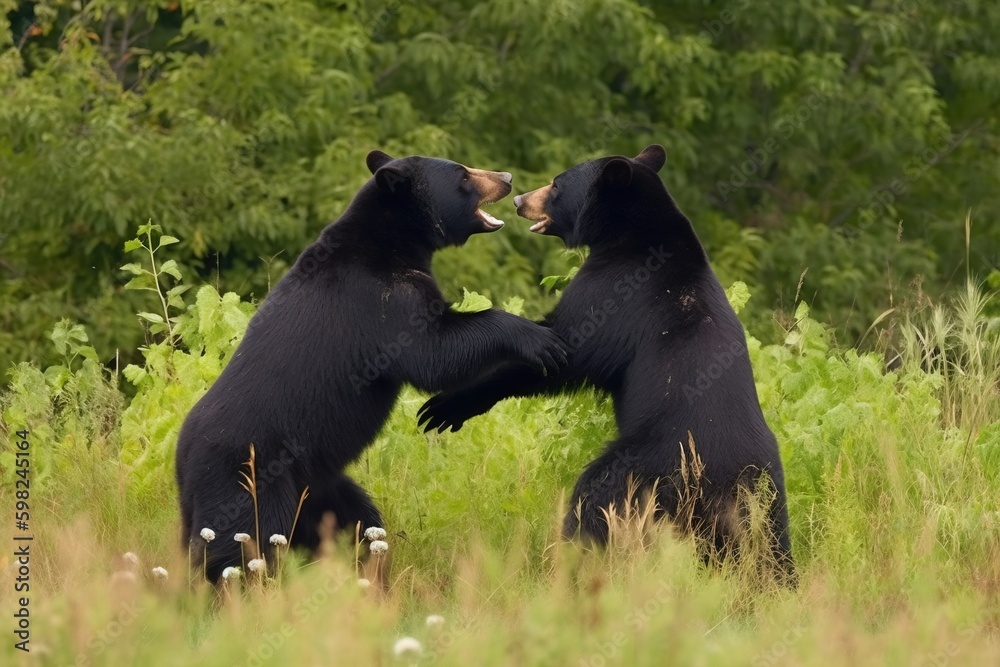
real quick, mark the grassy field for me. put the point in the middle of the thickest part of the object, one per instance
(893, 479)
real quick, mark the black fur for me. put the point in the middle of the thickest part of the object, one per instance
(648, 322)
(325, 356)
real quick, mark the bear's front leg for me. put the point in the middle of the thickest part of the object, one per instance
(460, 347)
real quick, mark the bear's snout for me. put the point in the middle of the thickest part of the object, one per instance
(491, 185)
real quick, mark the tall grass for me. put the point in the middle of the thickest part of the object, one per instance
(892, 478)
(958, 341)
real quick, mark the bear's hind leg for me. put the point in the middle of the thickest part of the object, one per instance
(617, 480)
(342, 497)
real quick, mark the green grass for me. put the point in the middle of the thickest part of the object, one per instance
(893, 480)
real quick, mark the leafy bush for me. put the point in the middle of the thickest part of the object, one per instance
(243, 126)
(891, 505)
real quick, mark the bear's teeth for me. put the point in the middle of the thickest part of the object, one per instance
(496, 222)
(539, 226)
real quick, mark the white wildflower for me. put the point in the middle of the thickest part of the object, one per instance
(278, 540)
(160, 572)
(435, 620)
(363, 583)
(231, 572)
(256, 565)
(374, 533)
(407, 646)
(379, 547)
(207, 534)
(131, 558)
(241, 537)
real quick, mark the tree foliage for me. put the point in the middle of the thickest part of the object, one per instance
(825, 151)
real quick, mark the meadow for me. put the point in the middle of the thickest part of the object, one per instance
(825, 153)
(893, 478)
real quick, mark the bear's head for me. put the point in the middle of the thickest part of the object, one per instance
(444, 196)
(579, 202)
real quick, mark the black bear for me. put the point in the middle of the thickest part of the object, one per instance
(647, 321)
(325, 356)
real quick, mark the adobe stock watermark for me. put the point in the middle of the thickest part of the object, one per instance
(234, 513)
(785, 128)
(950, 651)
(612, 650)
(374, 25)
(127, 615)
(388, 353)
(895, 23)
(465, 108)
(271, 643)
(778, 652)
(716, 26)
(601, 313)
(613, 127)
(914, 169)
(721, 362)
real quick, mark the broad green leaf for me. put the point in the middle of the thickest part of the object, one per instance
(472, 302)
(133, 268)
(170, 267)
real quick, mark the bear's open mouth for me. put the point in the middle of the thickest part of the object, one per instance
(489, 222)
(540, 226)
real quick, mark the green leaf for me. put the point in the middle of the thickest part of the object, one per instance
(168, 240)
(60, 338)
(77, 332)
(133, 268)
(514, 305)
(133, 244)
(552, 283)
(152, 317)
(738, 295)
(177, 290)
(472, 302)
(57, 376)
(143, 282)
(135, 374)
(170, 267)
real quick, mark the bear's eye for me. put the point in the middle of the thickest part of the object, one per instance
(465, 177)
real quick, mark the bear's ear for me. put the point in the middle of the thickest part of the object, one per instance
(653, 156)
(617, 172)
(392, 180)
(377, 159)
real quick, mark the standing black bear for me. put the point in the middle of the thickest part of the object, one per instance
(648, 322)
(327, 353)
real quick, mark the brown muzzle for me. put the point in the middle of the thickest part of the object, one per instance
(491, 185)
(531, 205)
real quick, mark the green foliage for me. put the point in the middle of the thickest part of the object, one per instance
(73, 410)
(149, 279)
(891, 505)
(472, 302)
(829, 143)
